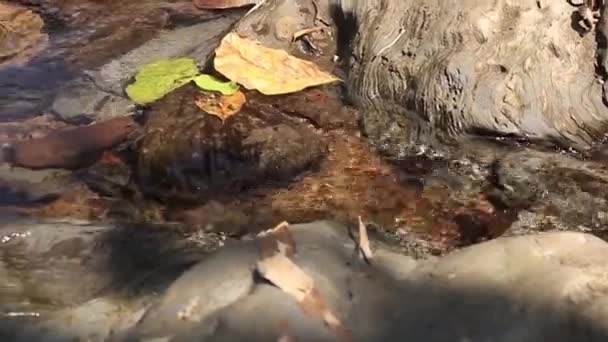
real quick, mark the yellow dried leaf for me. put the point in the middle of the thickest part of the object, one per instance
(270, 71)
(222, 106)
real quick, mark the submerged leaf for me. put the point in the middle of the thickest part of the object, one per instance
(270, 71)
(210, 83)
(157, 79)
(222, 106)
(21, 34)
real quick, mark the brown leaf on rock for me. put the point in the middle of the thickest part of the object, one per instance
(276, 240)
(71, 148)
(222, 106)
(21, 35)
(275, 247)
(223, 4)
(270, 71)
(287, 276)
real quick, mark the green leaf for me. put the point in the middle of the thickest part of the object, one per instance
(157, 79)
(210, 83)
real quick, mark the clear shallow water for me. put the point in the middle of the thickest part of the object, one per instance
(420, 205)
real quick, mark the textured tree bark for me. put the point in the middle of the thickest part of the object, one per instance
(427, 71)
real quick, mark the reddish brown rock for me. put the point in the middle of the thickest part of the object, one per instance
(69, 149)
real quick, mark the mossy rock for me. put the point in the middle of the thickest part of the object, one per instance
(187, 154)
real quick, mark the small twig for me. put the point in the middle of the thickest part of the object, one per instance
(364, 248)
(301, 33)
(317, 16)
(258, 5)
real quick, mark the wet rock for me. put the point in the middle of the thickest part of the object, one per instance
(82, 98)
(26, 91)
(214, 216)
(525, 288)
(533, 288)
(322, 107)
(113, 28)
(42, 177)
(100, 92)
(197, 41)
(274, 24)
(198, 294)
(239, 320)
(567, 193)
(190, 155)
(324, 252)
(549, 286)
(21, 35)
(71, 148)
(94, 320)
(24, 193)
(75, 280)
(35, 127)
(42, 249)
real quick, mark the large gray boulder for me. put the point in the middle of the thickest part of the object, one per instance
(548, 287)
(125, 285)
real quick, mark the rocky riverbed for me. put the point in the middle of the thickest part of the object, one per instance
(147, 228)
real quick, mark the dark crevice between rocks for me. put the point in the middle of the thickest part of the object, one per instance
(346, 22)
(601, 38)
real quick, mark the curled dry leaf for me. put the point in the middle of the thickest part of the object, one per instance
(222, 106)
(270, 71)
(276, 240)
(21, 35)
(223, 4)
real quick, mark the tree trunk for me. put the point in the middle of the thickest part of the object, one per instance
(427, 71)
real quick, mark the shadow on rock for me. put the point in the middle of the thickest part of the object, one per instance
(531, 288)
(490, 291)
